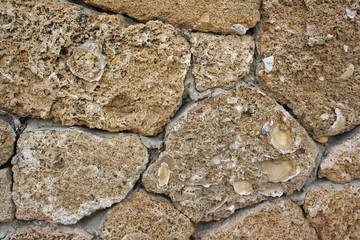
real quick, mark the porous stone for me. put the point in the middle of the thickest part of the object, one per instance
(334, 211)
(220, 60)
(229, 152)
(50, 233)
(7, 208)
(222, 16)
(342, 164)
(7, 141)
(146, 217)
(280, 219)
(60, 63)
(61, 176)
(310, 54)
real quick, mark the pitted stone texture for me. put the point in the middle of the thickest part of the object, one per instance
(59, 63)
(342, 164)
(334, 212)
(62, 176)
(220, 60)
(7, 208)
(146, 217)
(221, 16)
(280, 219)
(230, 152)
(7, 141)
(50, 233)
(311, 62)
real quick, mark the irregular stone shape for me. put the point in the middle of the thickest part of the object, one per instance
(334, 212)
(342, 164)
(53, 233)
(146, 217)
(230, 152)
(280, 219)
(220, 60)
(7, 208)
(57, 62)
(7, 141)
(63, 175)
(310, 54)
(222, 16)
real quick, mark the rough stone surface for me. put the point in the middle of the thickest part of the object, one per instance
(7, 208)
(342, 164)
(220, 60)
(62, 175)
(280, 219)
(310, 54)
(230, 152)
(50, 233)
(7, 141)
(146, 217)
(60, 63)
(334, 212)
(222, 16)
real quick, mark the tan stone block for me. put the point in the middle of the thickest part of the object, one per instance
(7, 208)
(7, 141)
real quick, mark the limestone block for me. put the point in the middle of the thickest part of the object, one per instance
(334, 211)
(280, 219)
(310, 54)
(58, 62)
(146, 217)
(7, 141)
(220, 60)
(61, 176)
(221, 16)
(229, 152)
(7, 208)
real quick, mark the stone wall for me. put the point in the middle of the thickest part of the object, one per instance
(216, 119)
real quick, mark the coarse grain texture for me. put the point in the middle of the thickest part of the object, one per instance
(7, 141)
(310, 54)
(7, 208)
(229, 152)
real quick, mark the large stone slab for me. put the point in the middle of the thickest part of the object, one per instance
(229, 152)
(7, 141)
(310, 62)
(222, 16)
(334, 211)
(280, 219)
(60, 63)
(61, 176)
(146, 217)
(7, 208)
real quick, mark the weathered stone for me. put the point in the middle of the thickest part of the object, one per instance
(222, 16)
(342, 164)
(62, 175)
(280, 219)
(146, 217)
(220, 60)
(311, 52)
(60, 63)
(230, 152)
(50, 233)
(7, 141)
(334, 212)
(7, 208)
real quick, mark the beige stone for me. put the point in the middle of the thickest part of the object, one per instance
(7, 208)
(63, 175)
(7, 141)
(280, 219)
(220, 155)
(58, 62)
(220, 60)
(222, 16)
(50, 233)
(342, 164)
(334, 211)
(146, 217)
(310, 52)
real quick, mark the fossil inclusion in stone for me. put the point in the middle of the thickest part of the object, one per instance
(7, 141)
(229, 152)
